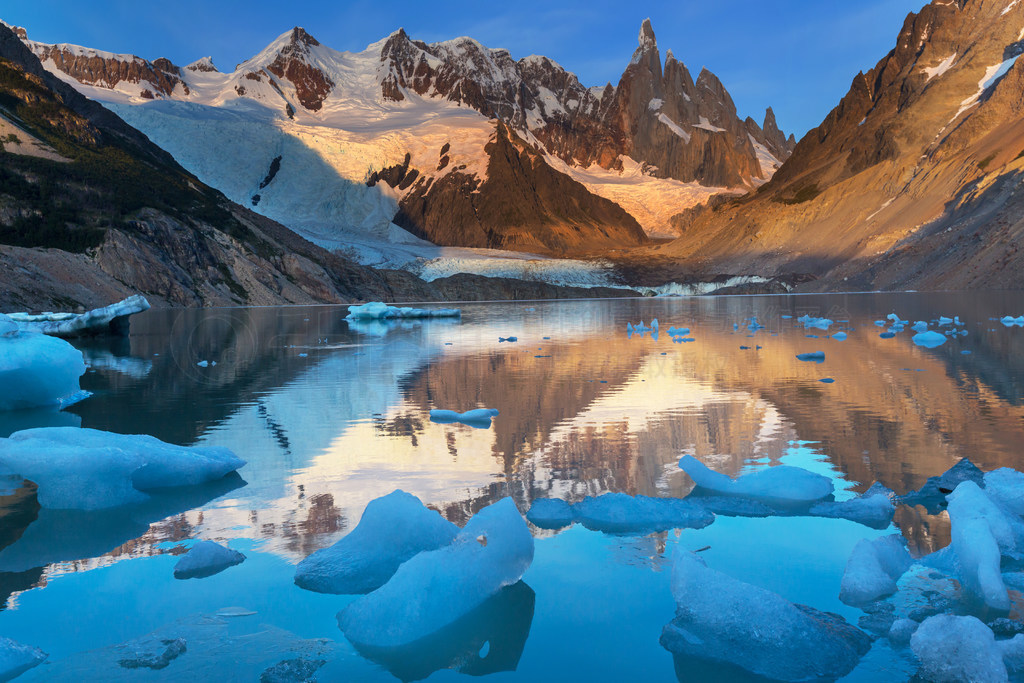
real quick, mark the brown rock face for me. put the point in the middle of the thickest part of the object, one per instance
(661, 118)
(311, 85)
(909, 181)
(523, 204)
(161, 75)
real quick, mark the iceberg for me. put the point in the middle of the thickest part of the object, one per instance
(37, 370)
(620, 513)
(839, 336)
(87, 469)
(110, 320)
(1006, 487)
(721, 619)
(551, 513)
(393, 529)
(206, 558)
(953, 648)
(438, 587)
(930, 339)
(874, 508)
(377, 310)
(815, 356)
(782, 484)
(16, 659)
(873, 569)
(479, 418)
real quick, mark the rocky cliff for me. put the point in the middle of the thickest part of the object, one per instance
(911, 181)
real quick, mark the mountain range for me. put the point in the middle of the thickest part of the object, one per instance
(388, 155)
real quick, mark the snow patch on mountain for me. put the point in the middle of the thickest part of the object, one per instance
(940, 68)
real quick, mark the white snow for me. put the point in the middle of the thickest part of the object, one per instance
(376, 310)
(96, 321)
(941, 68)
(674, 127)
(478, 417)
(953, 648)
(16, 659)
(707, 125)
(1009, 7)
(393, 529)
(37, 370)
(436, 588)
(780, 484)
(87, 469)
(721, 619)
(206, 558)
(769, 162)
(992, 74)
(873, 569)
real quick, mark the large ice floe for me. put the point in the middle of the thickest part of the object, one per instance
(958, 648)
(725, 621)
(437, 588)
(16, 659)
(87, 469)
(779, 485)
(376, 310)
(110, 320)
(204, 559)
(393, 529)
(37, 370)
(619, 513)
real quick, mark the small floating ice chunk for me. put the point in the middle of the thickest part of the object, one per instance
(436, 588)
(36, 370)
(887, 335)
(873, 569)
(1010, 321)
(929, 339)
(206, 558)
(678, 331)
(724, 620)
(816, 323)
(901, 631)
(827, 380)
(508, 339)
(953, 648)
(839, 336)
(86, 469)
(782, 484)
(550, 513)
(620, 513)
(376, 310)
(16, 659)
(815, 357)
(393, 529)
(479, 417)
(920, 326)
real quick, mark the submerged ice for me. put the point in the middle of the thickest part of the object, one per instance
(393, 529)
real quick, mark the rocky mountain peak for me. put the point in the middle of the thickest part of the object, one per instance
(204, 65)
(646, 38)
(293, 64)
(300, 37)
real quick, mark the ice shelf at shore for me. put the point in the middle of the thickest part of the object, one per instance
(110, 320)
(87, 469)
(37, 370)
(376, 310)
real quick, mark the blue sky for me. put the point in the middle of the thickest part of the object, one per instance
(798, 56)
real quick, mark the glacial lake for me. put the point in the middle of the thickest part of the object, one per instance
(330, 416)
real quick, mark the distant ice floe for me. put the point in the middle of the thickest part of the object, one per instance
(436, 588)
(204, 559)
(930, 339)
(479, 418)
(393, 529)
(37, 370)
(87, 469)
(810, 322)
(376, 310)
(812, 357)
(726, 621)
(1010, 321)
(110, 320)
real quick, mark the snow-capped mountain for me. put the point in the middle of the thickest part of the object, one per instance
(450, 142)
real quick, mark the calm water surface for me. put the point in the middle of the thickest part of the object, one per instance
(330, 416)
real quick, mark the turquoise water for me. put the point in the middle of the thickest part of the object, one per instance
(330, 416)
